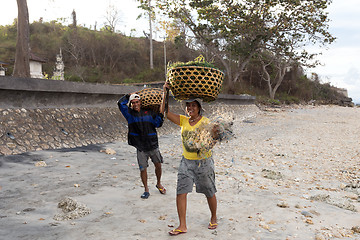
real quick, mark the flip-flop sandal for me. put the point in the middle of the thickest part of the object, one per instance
(212, 226)
(161, 190)
(175, 232)
(145, 195)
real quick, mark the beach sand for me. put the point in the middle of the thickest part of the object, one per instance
(290, 173)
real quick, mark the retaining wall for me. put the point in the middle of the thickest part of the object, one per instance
(37, 114)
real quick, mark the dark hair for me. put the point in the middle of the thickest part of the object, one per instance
(198, 104)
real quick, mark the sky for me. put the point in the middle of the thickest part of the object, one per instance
(340, 61)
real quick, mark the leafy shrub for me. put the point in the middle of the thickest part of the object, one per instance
(267, 101)
(150, 75)
(73, 78)
(274, 101)
(199, 61)
(289, 99)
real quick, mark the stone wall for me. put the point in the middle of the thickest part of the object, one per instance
(25, 130)
(38, 114)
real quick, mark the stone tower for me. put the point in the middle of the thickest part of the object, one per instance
(59, 67)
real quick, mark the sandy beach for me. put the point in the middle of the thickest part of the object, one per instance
(290, 173)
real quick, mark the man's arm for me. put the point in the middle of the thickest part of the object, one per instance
(158, 120)
(122, 104)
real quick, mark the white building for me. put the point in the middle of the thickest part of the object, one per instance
(36, 66)
(2, 68)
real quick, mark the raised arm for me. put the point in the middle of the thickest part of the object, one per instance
(175, 118)
(122, 104)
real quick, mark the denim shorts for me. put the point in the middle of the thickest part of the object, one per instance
(143, 158)
(200, 172)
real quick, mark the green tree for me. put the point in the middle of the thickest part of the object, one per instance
(235, 31)
(291, 25)
(8, 42)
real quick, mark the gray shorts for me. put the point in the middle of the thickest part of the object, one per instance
(200, 172)
(143, 158)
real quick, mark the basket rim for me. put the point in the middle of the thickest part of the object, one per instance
(194, 66)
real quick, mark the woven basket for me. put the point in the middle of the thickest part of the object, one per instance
(195, 82)
(151, 98)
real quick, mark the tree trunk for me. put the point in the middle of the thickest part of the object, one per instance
(267, 79)
(22, 55)
(229, 83)
(281, 70)
(281, 74)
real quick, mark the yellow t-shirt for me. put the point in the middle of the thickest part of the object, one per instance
(187, 131)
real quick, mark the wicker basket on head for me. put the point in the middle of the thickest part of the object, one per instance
(151, 98)
(195, 82)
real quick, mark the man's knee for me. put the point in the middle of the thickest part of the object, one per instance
(157, 165)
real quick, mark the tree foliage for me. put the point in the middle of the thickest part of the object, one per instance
(93, 56)
(236, 31)
(104, 57)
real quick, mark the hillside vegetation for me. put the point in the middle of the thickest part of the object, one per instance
(112, 58)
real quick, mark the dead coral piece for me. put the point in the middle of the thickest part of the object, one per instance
(270, 174)
(309, 221)
(40, 164)
(321, 198)
(356, 229)
(71, 209)
(346, 205)
(326, 199)
(283, 204)
(355, 183)
(334, 232)
(108, 151)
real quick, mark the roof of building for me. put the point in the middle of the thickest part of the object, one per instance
(4, 63)
(35, 58)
